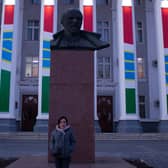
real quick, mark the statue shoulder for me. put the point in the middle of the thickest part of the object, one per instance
(57, 37)
(94, 39)
(90, 34)
(58, 34)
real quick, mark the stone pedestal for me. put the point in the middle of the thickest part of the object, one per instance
(72, 95)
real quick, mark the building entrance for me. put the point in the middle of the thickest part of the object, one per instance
(29, 112)
(104, 113)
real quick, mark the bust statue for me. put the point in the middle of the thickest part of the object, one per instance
(72, 37)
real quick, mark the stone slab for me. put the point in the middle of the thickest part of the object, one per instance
(42, 162)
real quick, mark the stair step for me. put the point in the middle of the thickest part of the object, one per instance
(98, 136)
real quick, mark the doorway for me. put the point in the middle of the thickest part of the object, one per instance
(29, 112)
(105, 113)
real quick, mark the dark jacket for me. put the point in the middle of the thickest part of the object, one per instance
(62, 142)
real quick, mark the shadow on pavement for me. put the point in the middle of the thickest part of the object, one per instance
(138, 163)
(5, 162)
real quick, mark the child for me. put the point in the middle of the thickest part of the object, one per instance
(62, 143)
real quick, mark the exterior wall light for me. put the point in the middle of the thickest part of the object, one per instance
(48, 2)
(126, 2)
(164, 4)
(9, 2)
(87, 2)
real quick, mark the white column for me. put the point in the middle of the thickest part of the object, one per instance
(120, 47)
(40, 60)
(127, 76)
(16, 56)
(45, 36)
(151, 69)
(161, 62)
(95, 62)
(9, 63)
(125, 48)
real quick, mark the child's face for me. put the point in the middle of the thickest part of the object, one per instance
(63, 123)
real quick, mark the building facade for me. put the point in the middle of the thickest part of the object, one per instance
(131, 76)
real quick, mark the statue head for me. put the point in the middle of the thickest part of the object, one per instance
(72, 21)
(74, 38)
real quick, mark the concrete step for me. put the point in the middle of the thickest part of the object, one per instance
(24, 135)
(98, 136)
(132, 136)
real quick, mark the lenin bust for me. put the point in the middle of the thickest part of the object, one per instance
(71, 37)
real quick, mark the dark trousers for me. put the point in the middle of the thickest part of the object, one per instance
(62, 162)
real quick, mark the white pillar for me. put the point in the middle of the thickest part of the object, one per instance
(162, 51)
(9, 51)
(17, 43)
(161, 62)
(44, 56)
(127, 89)
(120, 47)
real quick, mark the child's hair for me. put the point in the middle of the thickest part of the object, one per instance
(62, 117)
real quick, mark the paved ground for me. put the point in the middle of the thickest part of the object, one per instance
(154, 151)
(42, 162)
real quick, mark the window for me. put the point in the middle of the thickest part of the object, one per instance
(31, 68)
(140, 68)
(103, 29)
(36, 1)
(68, 2)
(139, 32)
(100, 2)
(104, 67)
(142, 106)
(33, 30)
